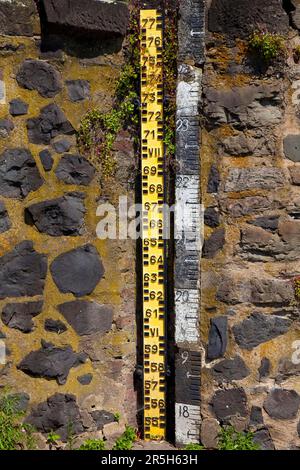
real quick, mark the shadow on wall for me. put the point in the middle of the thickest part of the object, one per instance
(82, 28)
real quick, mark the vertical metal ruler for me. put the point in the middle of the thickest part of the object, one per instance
(153, 245)
(188, 224)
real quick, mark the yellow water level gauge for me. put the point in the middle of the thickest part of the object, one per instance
(153, 250)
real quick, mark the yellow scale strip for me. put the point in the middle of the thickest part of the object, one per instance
(152, 226)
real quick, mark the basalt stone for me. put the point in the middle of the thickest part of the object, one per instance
(217, 340)
(233, 289)
(295, 174)
(20, 315)
(237, 145)
(258, 244)
(210, 430)
(267, 223)
(85, 379)
(256, 417)
(19, 174)
(78, 90)
(46, 159)
(78, 271)
(294, 13)
(6, 126)
(253, 144)
(22, 272)
(19, 18)
(57, 414)
(287, 369)
(41, 76)
(87, 317)
(248, 205)
(229, 403)
(247, 107)
(264, 369)
(51, 362)
(61, 146)
(231, 369)
(75, 169)
(213, 244)
(18, 107)
(50, 123)
(298, 429)
(291, 147)
(247, 17)
(211, 217)
(242, 179)
(285, 312)
(274, 292)
(213, 180)
(55, 326)
(102, 417)
(57, 217)
(259, 328)
(263, 438)
(289, 230)
(5, 223)
(88, 16)
(282, 404)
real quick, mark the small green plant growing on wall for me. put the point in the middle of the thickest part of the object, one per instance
(170, 50)
(125, 442)
(268, 46)
(52, 439)
(117, 417)
(98, 131)
(194, 447)
(297, 288)
(93, 444)
(14, 435)
(230, 439)
(70, 435)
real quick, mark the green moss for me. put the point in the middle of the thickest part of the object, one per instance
(267, 45)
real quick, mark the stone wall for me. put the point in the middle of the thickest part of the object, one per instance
(67, 299)
(250, 188)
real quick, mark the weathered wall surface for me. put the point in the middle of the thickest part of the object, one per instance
(67, 299)
(250, 189)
